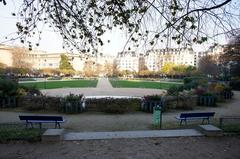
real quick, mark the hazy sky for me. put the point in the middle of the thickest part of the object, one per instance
(52, 42)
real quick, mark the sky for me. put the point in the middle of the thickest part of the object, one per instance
(52, 42)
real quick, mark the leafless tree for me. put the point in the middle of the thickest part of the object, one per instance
(20, 58)
(208, 66)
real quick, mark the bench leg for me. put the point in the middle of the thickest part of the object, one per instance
(180, 123)
(40, 125)
(185, 122)
(27, 123)
(221, 123)
(57, 125)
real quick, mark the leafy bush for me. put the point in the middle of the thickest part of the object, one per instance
(174, 90)
(30, 91)
(193, 82)
(32, 103)
(36, 103)
(235, 84)
(113, 105)
(8, 88)
(207, 99)
(153, 97)
(73, 98)
(72, 104)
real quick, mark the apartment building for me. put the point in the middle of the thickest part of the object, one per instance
(6, 55)
(41, 59)
(156, 59)
(128, 60)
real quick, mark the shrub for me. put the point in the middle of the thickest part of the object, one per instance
(31, 90)
(186, 102)
(207, 99)
(36, 103)
(153, 97)
(72, 104)
(8, 88)
(174, 90)
(235, 84)
(199, 91)
(32, 103)
(193, 82)
(113, 105)
(219, 88)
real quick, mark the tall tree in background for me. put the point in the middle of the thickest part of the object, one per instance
(208, 66)
(231, 57)
(82, 23)
(20, 58)
(167, 68)
(64, 63)
(89, 68)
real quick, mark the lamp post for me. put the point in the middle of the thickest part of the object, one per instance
(45, 81)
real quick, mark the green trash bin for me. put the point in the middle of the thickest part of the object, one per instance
(157, 117)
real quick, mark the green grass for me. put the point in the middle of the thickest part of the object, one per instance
(9, 132)
(141, 84)
(61, 84)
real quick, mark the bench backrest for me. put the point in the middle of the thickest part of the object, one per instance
(189, 115)
(43, 118)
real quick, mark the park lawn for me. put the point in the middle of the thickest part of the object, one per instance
(61, 84)
(141, 84)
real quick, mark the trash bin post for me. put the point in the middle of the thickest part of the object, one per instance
(157, 116)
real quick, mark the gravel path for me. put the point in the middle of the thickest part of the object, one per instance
(148, 148)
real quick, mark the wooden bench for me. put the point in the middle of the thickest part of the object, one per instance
(192, 116)
(221, 119)
(31, 119)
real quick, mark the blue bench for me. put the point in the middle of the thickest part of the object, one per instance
(31, 119)
(192, 116)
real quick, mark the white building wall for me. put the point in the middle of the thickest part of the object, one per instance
(6, 55)
(127, 61)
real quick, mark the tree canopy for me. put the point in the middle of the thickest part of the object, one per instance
(82, 23)
(231, 56)
(64, 63)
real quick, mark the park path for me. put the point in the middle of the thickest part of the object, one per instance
(103, 83)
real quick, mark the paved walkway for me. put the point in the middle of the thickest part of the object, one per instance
(131, 134)
(133, 92)
(103, 83)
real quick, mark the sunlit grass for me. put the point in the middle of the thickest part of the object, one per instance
(141, 84)
(61, 84)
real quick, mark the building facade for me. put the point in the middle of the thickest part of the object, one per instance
(128, 60)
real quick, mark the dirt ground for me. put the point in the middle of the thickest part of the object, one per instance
(148, 148)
